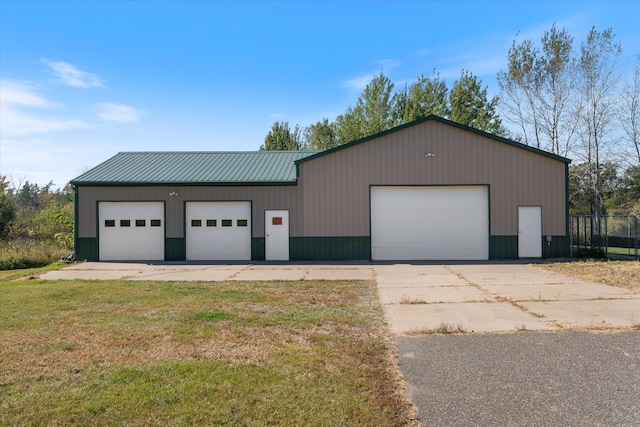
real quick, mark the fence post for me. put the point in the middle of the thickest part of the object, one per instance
(637, 237)
(606, 235)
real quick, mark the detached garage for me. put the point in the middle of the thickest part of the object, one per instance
(428, 190)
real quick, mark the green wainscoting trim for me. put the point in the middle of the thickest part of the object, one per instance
(175, 249)
(257, 248)
(330, 248)
(503, 247)
(557, 248)
(506, 247)
(87, 249)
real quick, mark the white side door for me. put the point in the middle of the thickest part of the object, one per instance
(276, 242)
(530, 231)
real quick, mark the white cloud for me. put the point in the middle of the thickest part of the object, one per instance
(277, 116)
(15, 98)
(69, 75)
(183, 36)
(359, 83)
(19, 123)
(47, 160)
(118, 113)
(388, 64)
(20, 93)
(487, 66)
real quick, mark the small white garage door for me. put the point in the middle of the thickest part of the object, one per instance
(430, 223)
(218, 231)
(131, 231)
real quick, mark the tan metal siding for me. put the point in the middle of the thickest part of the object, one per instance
(262, 198)
(336, 186)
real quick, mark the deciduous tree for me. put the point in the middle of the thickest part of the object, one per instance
(598, 79)
(7, 207)
(630, 115)
(537, 91)
(518, 89)
(282, 138)
(321, 135)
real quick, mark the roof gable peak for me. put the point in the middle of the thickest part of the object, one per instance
(438, 119)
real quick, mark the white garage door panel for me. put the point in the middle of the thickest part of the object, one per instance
(135, 242)
(218, 242)
(429, 223)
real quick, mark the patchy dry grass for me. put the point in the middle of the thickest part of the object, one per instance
(623, 274)
(408, 300)
(181, 353)
(442, 329)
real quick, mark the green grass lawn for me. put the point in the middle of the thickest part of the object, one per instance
(621, 251)
(195, 353)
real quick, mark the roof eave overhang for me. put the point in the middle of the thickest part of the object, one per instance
(180, 184)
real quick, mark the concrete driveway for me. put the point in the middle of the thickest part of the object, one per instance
(422, 298)
(498, 297)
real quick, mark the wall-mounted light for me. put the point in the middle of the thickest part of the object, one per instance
(173, 193)
(429, 154)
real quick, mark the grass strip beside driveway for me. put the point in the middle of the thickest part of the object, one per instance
(157, 353)
(622, 274)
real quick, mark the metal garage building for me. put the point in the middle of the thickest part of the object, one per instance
(428, 190)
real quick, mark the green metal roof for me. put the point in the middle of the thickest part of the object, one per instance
(217, 168)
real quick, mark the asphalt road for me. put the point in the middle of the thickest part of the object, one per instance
(525, 379)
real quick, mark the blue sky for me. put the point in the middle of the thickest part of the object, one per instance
(82, 80)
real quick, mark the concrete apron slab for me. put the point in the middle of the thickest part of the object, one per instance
(570, 291)
(430, 295)
(403, 275)
(143, 271)
(209, 272)
(498, 297)
(468, 317)
(619, 313)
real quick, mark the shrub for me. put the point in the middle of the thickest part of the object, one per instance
(591, 253)
(29, 253)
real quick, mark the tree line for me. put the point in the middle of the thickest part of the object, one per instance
(379, 108)
(31, 212)
(570, 100)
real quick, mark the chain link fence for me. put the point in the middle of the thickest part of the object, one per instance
(611, 236)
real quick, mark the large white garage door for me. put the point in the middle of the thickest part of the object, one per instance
(429, 223)
(218, 231)
(131, 231)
